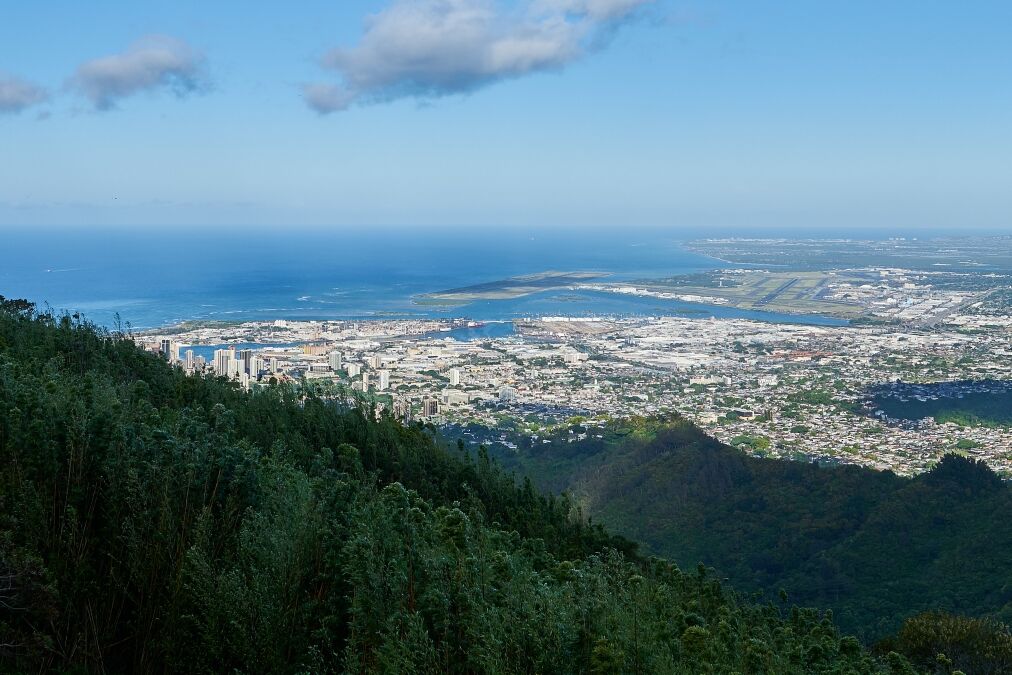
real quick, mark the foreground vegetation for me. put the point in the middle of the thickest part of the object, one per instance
(874, 547)
(152, 522)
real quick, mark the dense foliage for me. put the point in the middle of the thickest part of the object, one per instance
(940, 642)
(874, 547)
(153, 522)
(986, 409)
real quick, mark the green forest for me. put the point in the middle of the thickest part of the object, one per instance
(872, 546)
(988, 409)
(152, 522)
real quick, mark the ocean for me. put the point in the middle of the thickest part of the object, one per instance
(157, 277)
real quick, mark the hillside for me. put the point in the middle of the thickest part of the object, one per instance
(874, 547)
(153, 522)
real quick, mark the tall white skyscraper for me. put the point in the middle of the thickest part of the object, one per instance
(365, 381)
(454, 377)
(384, 380)
(246, 356)
(335, 361)
(170, 351)
(222, 360)
(353, 369)
(189, 359)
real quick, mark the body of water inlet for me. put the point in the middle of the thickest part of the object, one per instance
(152, 278)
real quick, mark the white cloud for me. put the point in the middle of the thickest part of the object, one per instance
(430, 48)
(17, 94)
(154, 62)
(326, 97)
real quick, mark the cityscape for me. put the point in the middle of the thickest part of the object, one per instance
(788, 390)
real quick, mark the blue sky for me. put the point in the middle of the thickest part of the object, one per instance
(611, 113)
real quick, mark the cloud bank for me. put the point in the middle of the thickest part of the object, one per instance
(17, 94)
(154, 62)
(432, 48)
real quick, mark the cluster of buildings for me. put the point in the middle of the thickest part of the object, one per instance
(882, 294)
(244, 365)
(899, 295)
(785, 390)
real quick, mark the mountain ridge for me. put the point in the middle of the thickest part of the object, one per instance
(875, 547)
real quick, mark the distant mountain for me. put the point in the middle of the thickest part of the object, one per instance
(874, 547)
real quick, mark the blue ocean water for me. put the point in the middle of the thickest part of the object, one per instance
(157, 277)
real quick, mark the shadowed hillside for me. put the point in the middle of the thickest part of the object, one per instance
(875, 547)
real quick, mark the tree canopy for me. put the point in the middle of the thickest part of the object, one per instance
(154, 522)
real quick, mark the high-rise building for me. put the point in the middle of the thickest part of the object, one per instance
(246, 356)
(572, 357)
(365, 381)
(222, 358)
(384, 380)
(189, 359)
(507, 394)
(374, 361)
(353, 369)
(454, 396)
(454, 377)
(168, 349)
(402, 410)
(430, 407)
(335, 361)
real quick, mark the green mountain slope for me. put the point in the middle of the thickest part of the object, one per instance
(875, 547)
(151, 522)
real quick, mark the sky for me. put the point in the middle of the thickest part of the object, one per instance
(498, 113)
